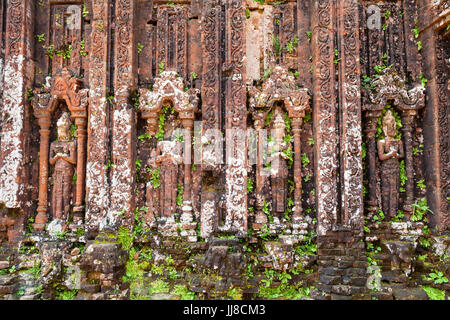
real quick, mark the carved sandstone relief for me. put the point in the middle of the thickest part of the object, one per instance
(389, 88)
(64, 91)
(173, 150)
(279, 98)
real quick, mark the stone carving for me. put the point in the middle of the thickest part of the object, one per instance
(63, 158)
(97, 182)
(279, 170)
(326, 134)
(389, 86)
(64, 88)
(169, 88)
(122, 186)
(168, 157)
(280, 87)
(389, 151)
(350, 104)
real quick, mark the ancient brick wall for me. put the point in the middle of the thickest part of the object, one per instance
(297, 144)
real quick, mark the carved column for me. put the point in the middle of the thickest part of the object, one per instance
(17, 77)
(236, 121)
(297, 129)
(407, 122)
(44, 121)
(371, 130)
(78, 209)
(260, 218)
(435, 36)
(97, 184)
(188, 124)
(324, 114)
(123, 182)
(351, 176)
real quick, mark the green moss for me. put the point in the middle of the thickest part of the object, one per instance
(434, 293)
(184, 292)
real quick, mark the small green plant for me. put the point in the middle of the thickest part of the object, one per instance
(267, 73)
(421, 185)
(138, 164)
(161, 67)
(82, 47)
(41, 37)
(367, 82)
(305, 160)
(266, 211)
(155, 177)
(249, 185)
(158, 286)
(308, 35)
(247, 13)
(420, 208)
(184, 292)
(125, 238)
(50, 50)
(144, 136)
(336, 55)
(416, 31)
(307, 177)
(419, 45)
(379, 216)
(36, 270)
(311, 141)
(276, 45)
(400, 215)
(234, 294)
(139, 47)
(193, 75)
(419, 150)
(436, 276)
(423, 80)
(109, 164)
(85, 11)
(292, 45)
(179, 199)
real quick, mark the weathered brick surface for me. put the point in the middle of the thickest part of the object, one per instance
(298, 165)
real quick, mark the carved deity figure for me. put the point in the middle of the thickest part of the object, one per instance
(279, 169)
(168, 156)
(389, 151)
(63, 156)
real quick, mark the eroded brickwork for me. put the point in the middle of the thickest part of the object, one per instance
(224, 148)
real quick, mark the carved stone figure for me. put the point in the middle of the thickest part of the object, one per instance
(168, 156)
(63, 156)
(389, 151)
(279, 169)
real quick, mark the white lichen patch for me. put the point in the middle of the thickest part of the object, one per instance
(236, 190)
(12, 115)
(96, 184)
(122, 177)
(207, 218)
